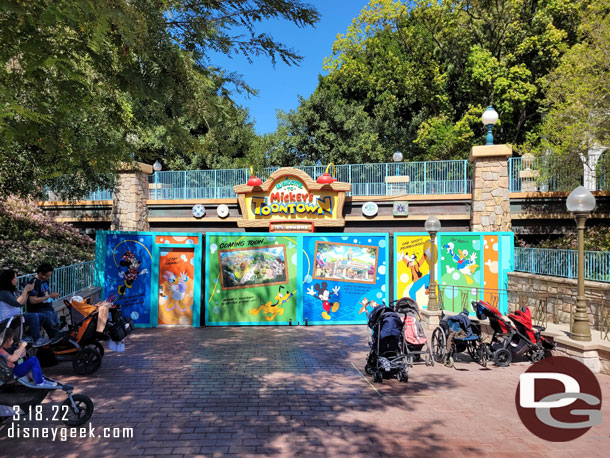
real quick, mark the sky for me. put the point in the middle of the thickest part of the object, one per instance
(279, 87)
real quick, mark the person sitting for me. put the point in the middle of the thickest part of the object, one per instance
(11, 303)
(29, 367)
(40, 299)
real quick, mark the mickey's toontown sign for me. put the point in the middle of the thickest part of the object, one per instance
(290, 200)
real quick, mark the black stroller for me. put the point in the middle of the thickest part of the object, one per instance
(388, 354)
(74, 411)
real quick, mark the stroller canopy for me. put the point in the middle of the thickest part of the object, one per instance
(390, 323)
(485, 310)
(523, 317)
(15, 321)
(406, 305)
(375, 315)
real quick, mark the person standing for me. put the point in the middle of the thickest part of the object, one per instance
(41, 298)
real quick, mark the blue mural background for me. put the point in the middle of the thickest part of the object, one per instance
(351, 295)
(128, 262)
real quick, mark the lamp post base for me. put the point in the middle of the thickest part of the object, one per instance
(431, 318)
(581, 330)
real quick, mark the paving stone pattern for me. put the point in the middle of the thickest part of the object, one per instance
(293, 391)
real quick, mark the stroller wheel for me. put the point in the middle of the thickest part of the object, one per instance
(87, 361)
(368, 369)
(410, 360)
(377, 377)
(402, 376)
(536, 354)
(502, 357)
(97, 346)
(429, 360)
(449, 361)
(439, 345)
(482, 351)
(84, 405)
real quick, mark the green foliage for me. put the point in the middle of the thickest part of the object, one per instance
(29, 237)
(88, 85)
(578, 95)
(334, 129)
(417, 76)
(597, 238)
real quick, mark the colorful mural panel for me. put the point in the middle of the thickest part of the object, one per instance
(343, 277)
(460, 270)
(251, 279)
(491, 265)
(470, 266)
(413, 255)
(176, 286)
(128, 263)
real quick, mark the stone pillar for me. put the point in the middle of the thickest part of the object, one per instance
(129, 209)
(490, 210)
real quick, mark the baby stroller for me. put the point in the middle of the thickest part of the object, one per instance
(456, 334)
(74, 411)
(415, 338)
(387, 356)
(519, 339)
(79, 342)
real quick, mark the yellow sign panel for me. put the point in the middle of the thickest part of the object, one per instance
(290, 194)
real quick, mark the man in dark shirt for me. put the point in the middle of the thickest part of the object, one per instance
(41, 299)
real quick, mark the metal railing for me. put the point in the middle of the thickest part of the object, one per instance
(543, 174)
(457, 298)
(66, 280)
(100, 194)
(562, 263)
(545, 307)
(438, 177)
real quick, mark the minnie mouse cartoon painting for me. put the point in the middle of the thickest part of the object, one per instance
(130, 274)
(321, 292)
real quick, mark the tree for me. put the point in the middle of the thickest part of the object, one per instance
(326, 126)
(86, 85)
(423, 72)
(578, 97)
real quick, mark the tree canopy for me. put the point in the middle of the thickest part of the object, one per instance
(88, 85)
(417, 76)
(577, 102)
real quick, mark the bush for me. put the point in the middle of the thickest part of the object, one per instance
(29, 237)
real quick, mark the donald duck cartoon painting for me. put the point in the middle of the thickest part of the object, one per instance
(465, 263)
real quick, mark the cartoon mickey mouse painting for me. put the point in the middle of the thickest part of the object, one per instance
(321, 292)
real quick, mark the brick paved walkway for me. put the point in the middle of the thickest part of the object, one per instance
(294, 391)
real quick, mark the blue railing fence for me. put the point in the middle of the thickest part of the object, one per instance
(100, 194)
(435, 177)
(66, 280)
(562, 263)
(544, 174)
(549, 173)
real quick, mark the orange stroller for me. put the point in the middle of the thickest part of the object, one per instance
(79, 343)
